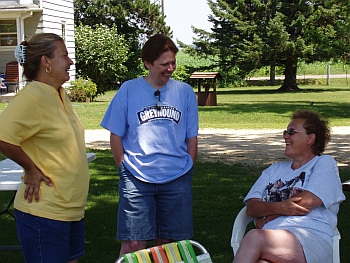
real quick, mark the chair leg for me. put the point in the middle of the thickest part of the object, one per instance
(336, 239)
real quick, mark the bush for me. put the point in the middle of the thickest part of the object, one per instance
(181, 74)
(81, 89)
(101, 54)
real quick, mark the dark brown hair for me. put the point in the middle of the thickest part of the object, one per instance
(41, 44)
(155, 46)
(315, 124)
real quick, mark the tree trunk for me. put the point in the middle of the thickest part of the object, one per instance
(272, 74)
(290, 77)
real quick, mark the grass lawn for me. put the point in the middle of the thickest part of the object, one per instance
(218, 188)
(217, 193)
(255, 107)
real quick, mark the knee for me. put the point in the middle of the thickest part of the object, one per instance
(161, 241)
(132, 246)
(254, 236)
(135, 245)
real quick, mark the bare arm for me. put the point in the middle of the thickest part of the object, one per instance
(192, 148)
(257, 208)
(299, 204)
(16, 154)
(117, 148)
(32, 175)
(309, 200)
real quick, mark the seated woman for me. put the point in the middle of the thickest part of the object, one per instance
(295, 202)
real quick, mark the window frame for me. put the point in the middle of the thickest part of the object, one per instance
(13, 33)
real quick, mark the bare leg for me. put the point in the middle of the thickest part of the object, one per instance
(161, 241)
(131, 246)
(270, 246)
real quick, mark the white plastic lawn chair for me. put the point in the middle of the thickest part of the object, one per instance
(180, 251)
(240, 225)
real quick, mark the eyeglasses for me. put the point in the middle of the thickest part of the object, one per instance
(290, 131)
(159, 104)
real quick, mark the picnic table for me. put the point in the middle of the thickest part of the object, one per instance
(10, 180)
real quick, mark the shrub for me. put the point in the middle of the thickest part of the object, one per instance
(180, 73)
(101, 54)
(81, 89)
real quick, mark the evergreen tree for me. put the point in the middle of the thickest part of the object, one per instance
(135, 20)
(249, 34)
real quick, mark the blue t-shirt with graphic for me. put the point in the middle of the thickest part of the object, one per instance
(154, 128)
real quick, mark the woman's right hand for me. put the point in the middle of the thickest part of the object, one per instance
(290, 207)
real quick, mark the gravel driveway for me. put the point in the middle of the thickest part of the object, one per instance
(258, 147)
(262, 147)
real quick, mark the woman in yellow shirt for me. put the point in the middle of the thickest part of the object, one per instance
(41, 132)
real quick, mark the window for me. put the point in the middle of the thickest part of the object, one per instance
(8, 33)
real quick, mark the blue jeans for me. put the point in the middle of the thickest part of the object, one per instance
(49, 241)
(148, 211)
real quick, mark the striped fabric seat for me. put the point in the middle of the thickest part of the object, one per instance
(11, 74)
(181, 251)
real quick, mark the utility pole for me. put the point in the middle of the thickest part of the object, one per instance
(161, 3)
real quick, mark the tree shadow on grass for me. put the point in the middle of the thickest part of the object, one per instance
(327, 109)
(257, 91)
(218, 192)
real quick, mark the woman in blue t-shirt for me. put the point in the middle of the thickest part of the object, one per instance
(153, 122)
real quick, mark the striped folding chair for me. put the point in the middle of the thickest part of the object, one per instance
(180, 251)
(11, 75)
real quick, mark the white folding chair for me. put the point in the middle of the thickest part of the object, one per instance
(240, 225)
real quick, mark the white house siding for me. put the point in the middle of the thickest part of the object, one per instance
(54, 13)
(33, 25)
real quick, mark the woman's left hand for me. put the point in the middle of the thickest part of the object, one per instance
(32, 179)
(260, 222)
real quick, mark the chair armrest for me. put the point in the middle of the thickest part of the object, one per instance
(239, 228)
(336, 238)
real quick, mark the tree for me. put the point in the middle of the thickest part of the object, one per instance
(100, 54)
(135, 20)
(249, 34)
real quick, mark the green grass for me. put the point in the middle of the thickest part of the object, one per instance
(257, 107)
(253, 107)
(262, 107)
(217, 187)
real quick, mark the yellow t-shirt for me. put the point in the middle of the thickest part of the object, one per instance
(43, 123)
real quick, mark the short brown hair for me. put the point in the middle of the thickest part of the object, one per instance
(155, 46)
(41, 44)
(315, 124)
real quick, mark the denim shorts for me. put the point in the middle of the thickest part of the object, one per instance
(47, 240)
(148, 211)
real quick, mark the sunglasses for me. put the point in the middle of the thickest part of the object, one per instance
(159, 104)
(290, 131)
